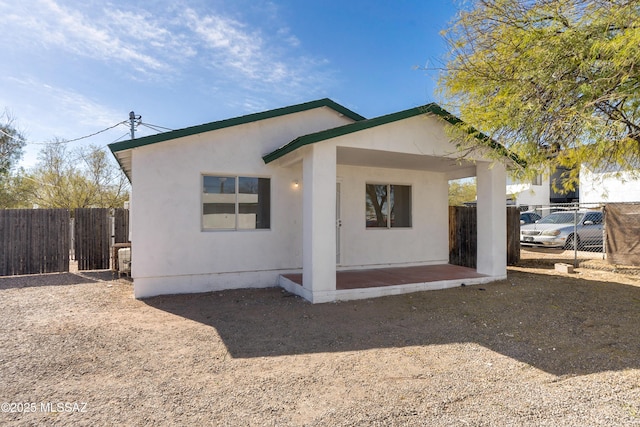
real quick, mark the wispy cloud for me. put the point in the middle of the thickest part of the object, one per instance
(71, 65)
(154, 34)
(257, 60)
(228, 42)
(55, 26)
(170, 41)
(237, 48)
(158, 43)
(85, 114)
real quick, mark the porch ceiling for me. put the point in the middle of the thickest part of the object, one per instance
(386, 159)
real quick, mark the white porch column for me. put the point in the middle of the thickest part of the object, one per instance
(492, 219)
(318, 222)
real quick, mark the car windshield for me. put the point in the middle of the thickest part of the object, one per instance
(560, 218)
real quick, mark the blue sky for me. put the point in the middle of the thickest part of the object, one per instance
(71, 68)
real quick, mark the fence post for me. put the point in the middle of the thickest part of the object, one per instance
(575, 237)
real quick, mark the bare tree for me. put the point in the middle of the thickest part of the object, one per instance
(81, 178)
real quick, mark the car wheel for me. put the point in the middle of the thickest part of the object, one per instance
(568, 244)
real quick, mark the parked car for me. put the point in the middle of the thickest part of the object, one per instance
(557, 230)
(529, 217)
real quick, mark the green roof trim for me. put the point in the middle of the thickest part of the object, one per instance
(207, 127)
(486, 140)
(431, 108)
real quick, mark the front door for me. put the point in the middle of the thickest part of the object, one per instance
(338, 223)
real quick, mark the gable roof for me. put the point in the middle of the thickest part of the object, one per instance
(122, 146)
(431, 108)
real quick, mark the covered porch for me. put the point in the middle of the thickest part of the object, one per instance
(376, 282)
(346, 255)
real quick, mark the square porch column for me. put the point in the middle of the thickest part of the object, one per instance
(492, 219)
(318, 222)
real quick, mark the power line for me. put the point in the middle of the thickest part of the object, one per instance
(155, 127)
(64, 141)
(135, 120)
(118, 139)
(158, 126)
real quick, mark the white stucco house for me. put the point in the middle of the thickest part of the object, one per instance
(596, 186)
(542, 191)
(529, 194)
(608, 186)
(297, 196)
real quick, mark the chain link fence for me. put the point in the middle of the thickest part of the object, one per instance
(570, 233)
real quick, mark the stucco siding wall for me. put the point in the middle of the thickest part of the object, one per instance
(168, 237)
(422, 135)
(171, 253)
(531, 195)
(601, 187)
(426, 242)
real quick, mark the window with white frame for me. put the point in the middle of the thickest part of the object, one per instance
(388, 206)
(235, 202)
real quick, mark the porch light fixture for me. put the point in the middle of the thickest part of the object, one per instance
(296, 184)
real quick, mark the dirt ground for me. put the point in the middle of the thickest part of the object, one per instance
(539, 349)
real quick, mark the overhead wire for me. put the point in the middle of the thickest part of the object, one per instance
(118, 139)
(157, 128)
(64, 141)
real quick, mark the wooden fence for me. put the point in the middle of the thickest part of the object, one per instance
(121, 225)
(92, 238)
(463, 232)
(34, 241)
(513, 235)
(38, 240)
(463, 236)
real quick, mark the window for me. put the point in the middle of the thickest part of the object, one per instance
(235, 203)
(537, 180)
(388, 206)
(595, 217)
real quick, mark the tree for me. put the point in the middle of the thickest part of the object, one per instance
(83, 178)
(461, 191)
(15, 190)
(11, 144)
(376, 200)
(555, 81)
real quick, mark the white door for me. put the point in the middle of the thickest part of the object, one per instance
(338, 223)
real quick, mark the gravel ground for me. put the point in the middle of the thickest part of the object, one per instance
(539, 349)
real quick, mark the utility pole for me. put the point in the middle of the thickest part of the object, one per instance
(132, 120)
